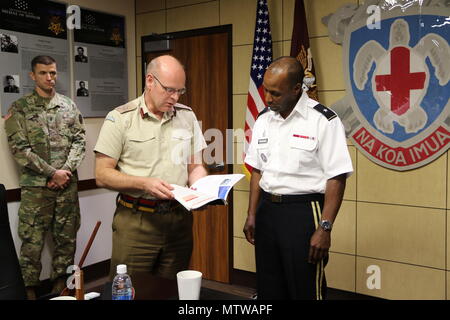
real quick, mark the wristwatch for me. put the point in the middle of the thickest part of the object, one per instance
(326, 225)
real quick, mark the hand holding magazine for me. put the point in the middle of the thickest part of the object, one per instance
(212, 189)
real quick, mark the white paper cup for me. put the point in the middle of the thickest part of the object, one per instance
(189, 284)
(64, 298)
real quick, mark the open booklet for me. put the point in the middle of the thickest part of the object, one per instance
(212, 189)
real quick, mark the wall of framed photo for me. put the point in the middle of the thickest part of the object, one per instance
(92, 61)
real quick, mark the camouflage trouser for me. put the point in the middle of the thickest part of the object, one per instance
(43, 210)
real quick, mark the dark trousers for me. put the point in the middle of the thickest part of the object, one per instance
(282, 240)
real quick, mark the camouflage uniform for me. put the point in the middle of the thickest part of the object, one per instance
(46, 134)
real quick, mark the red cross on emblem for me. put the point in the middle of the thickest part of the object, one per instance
(400, 82)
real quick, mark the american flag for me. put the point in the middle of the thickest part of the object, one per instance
(21, 5)
(90, 19)
(261, 59)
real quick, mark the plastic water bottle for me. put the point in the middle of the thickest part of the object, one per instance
(122, 289)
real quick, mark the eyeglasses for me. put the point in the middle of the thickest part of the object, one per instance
(170, 90)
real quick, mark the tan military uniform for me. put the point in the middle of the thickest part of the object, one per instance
(46, 134)
(159, 241)
(144, 146)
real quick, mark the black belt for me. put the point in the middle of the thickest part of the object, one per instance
(286, 198)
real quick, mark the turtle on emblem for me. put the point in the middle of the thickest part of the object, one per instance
(401, 76)
(396, 66)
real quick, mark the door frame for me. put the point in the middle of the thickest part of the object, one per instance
(229, 148)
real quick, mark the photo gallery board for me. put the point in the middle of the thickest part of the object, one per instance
(92, 59)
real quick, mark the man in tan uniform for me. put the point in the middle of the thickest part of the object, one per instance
(143, 147)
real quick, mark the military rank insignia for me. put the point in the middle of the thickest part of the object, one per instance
(56, 25)
(116, 37)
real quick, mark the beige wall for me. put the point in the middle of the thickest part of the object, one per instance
(396, 221)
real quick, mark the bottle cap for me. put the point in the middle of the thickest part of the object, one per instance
(121, 268)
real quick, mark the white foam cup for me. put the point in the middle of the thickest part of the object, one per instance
(189, 283)
(64, 298)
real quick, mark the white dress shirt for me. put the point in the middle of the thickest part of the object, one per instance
(297, 155)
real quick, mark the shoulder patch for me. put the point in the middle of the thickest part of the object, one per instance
(262, 112)
(126, 107)
(327, 112)
(8, 115)
(182, 106)
(110, 117)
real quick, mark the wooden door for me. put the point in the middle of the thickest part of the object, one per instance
(206, 55)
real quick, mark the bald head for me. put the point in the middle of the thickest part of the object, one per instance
(283, 85)
(288, 66)
(164, 63)
(165, 82)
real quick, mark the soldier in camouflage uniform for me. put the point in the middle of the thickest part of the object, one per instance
(47, 138)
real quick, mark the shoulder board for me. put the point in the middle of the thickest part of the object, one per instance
(327, 112)
(182, 106)
(126, 107)
(262, 112)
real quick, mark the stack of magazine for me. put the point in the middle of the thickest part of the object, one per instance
(212, 189)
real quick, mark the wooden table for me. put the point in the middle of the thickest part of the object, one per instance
(150, 287)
